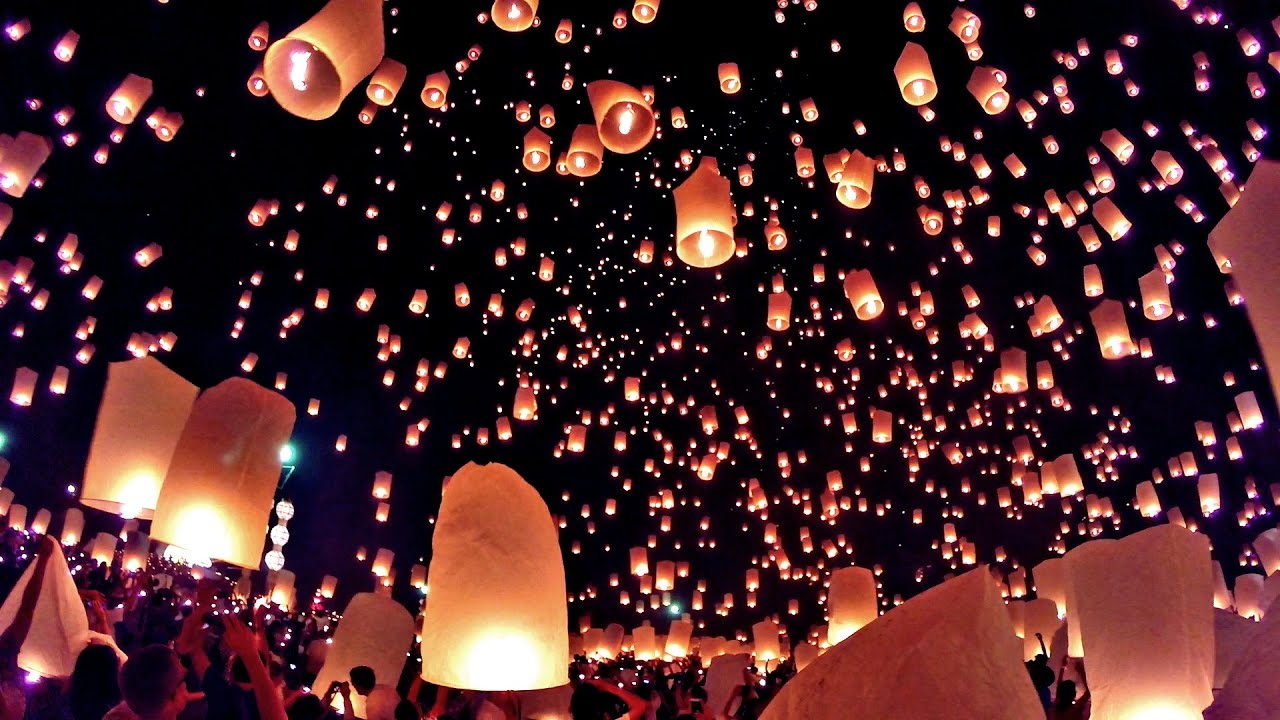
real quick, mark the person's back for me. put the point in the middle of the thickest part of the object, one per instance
(153, 684)
(95, 683)
(1067, 706)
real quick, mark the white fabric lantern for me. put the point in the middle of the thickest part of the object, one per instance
(59, 626)
(497, 617)
(376, 632)
(851, 602)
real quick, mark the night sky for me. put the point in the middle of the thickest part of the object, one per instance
(193, 196)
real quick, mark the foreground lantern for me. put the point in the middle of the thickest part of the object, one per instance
(217, 496)
(497, 618)
(59, 628)
(376, 632)
(851, 602)
(144, 408)
(915, 76)
(704, 217)
(514, 15)
(312, 68)
(1144, 605)
(623, 117)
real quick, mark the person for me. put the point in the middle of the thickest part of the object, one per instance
(153, 683)
(593, 698)
(380, 701)
(1068, 706)
(1041, 675)
(306, 707)
(95, 682)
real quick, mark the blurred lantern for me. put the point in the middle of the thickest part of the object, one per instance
(314, 66)
(497, 618)
(20, 162)
(72, 526)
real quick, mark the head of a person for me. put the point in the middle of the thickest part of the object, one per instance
(306, 707)
(1066, 694)
(96, 676)
(362, 679)
(587, 703)
(406, 710)
(153, 683)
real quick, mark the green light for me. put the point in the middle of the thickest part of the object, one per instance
(675, 609)
(4, 440)
(286, 454)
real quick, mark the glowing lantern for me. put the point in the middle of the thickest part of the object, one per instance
(624, 119)
(1157, 585)
(1148, 500)
(856, 179)
(497, 619)
(126, 102)
(386, 81)
(1092, 281)
(24, 386)
(881, 426)
(144, 407)
(851, 602)
(382, 561)
(435, 92)
(585, 151)
(514, 15)
(965, 25)
(704, 217)
(639, 561)
(861, 292)
(1118, 144)
(20, 162)
(1155, 295)
(217, 494)
(537, 150)
(66, 46)
(987, 88)
(314, 66)
(1249, 409)
(913, 18)
(1111, 219)
(730, 80)
(915, 76)
(375, 632)
(1112, 330)
(59, 628)
(1012, 375)
(779, 311)
(1169, 169)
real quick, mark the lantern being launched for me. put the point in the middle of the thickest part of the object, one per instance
(218, 492)
(144, 407)
(851, 602)
(312, 68)
(623, 117)
(376, 632)
(704, 217)
(497, 618)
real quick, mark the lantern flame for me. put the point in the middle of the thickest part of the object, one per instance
(298, 69)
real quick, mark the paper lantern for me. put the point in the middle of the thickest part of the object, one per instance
(72, 526)
(20, 162)
(435, 91)
(936, 656)
(17, 516)
(856, 179)
(40, 523)
(1248, 591)
(382, 485)
(1146, 622)
(537, 150)
(644, 642)
(217, 495)
(779, 311)
(1011, 377)
(386, 81)
(730, 79)
(514, 15)
(679, 639)
(585, 151)
(881, 426)
(144, 407)
(639, 561)
(851, 602)
(376, 632)
(861, 292)
(59, 627)
(24, 386)
(103, 548)
(704, 217)
(1039, 616)
(987, 88)
(1148, 500)
(1249, 409)
(497, 618)
(644, 11)
(913, 18)
(764, 635)
(382, 561)
(137, 550)
(314, 66)
(328, 585)
(624, 119)
(1111, 219)
(915, 76)
(126, 102)
(1112, 330)
(1051, 583)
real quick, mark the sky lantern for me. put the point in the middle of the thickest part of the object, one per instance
(730, 80)
(585, 151)
(624, 120)
(59, 628)
(144, 407)
(861, 292)
(1155, 295)
(1169, 169)
(851, 602)
(497, 619)
(435, 91)
(881, 426)
(217, 494)
(704, 217)
(386, 81)
(317, 64)
(644, 11)
(376, 632)
(1011, 377)
(915, 76)
(1155, 585)
(854, 189)
(537, 150)
(514, 15)
(965, 25)
(913, 18)
(987, 88)
(779, 311)
(1111, 219)
(1112, 329)
(126, 102)
(20, 162)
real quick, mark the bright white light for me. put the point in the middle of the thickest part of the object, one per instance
(513, 12)
(298, 69)
(625, 122)
(579, 162)
(706, 244)
(917, 87)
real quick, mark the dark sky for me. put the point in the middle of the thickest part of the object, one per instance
(192, 196)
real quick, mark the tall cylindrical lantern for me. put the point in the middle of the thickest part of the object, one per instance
(915, 76)
(851, 602)
(988, 90)
(764, 635)
(136, 551)
(624, 119)
(103, 549)
(144, 407)
(72, 526)
(314, 66)
(126, 102)
(497, 618)
(1155, 585)
(704, 217)
(679, 638)
(586, 151)
(1112, 330)
(861, 292)
(217, 495)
